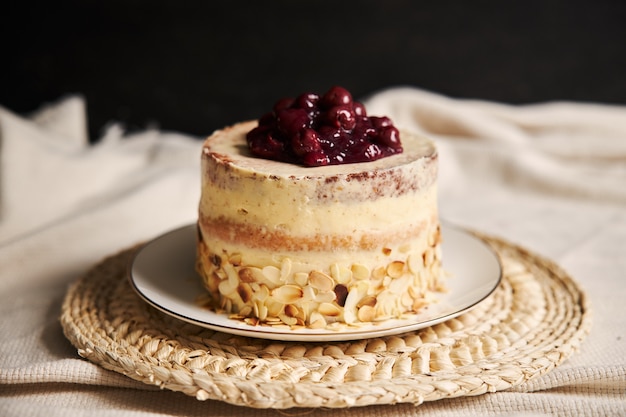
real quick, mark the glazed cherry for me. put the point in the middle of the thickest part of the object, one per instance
(336, 96)
(314, 130)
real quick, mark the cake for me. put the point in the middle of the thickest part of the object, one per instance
(317, 242)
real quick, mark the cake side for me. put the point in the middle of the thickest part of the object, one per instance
(286, 245)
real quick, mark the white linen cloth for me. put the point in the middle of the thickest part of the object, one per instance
(550, 177)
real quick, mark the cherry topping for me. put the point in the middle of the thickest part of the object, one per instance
(314, 130)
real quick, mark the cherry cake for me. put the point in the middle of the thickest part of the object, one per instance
(317, 215)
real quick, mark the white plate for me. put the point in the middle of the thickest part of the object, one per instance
(163, 274)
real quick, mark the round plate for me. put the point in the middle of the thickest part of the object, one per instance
(163, 274)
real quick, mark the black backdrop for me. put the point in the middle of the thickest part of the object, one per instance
(194, 66)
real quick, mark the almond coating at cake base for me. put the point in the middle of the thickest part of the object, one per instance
(322, 247)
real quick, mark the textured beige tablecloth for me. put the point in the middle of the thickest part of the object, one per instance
(550, 177)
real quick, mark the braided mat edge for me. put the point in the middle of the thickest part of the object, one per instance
(533, 321)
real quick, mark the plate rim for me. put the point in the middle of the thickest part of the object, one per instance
(319, 335)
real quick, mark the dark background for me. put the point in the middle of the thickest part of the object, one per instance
(195, 66)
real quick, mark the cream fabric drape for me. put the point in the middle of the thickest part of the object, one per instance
(550, 177)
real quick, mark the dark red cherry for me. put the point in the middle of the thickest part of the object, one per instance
(359, 109)
(305, 141)
(266, 145)
(317, 130)
(336, 96)
(291, 121)
(307, 101)
(380, 122)
(389, 136)
(315, 159)
(341, 116)
(282, 104)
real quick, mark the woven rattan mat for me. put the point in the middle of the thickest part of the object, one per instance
(533, 321)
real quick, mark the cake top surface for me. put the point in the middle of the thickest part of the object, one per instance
(229, 146)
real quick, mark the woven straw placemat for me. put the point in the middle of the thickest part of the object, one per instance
(534, 320)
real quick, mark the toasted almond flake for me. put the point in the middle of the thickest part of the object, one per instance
(232, 274)
(261, 294)
(281, 326)
(385, 304)
(272, 274)
(252, 321)
(213, 282)
(316, 317)
(415, 293)
(262, 312)
(363, 287)
(406, 300)
(368, 300)
(274, 308)
(308, 294)
(226, 288)
(399, 285)
(419, 304)
(395, 269)
(321, 281)
(285, 269)
(325, 297)
(221, 273)
(416, 263)
(431, 239)
(360, 271)
(250, 275)
(301, 278)
(429, 257)
(349, 308)
(291, 310)
(341, 274)
(245, 311)
(235, 259)
(379, 273)
(341, 292)
(328, 309)
(290, 321)
(287, 294)
(366, 313)
(245, 292)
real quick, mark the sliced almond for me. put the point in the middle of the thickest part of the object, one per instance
(285, 269)
(415, 263)
(366, 313)
(272, 274)
(287, 294)
(251, 274)
(245, 292)
(379, 273)
(321, 281)
(301, 278)
(341, 274)
(325, 297)
(235, 259)
(395, 269)
(328, 309)
(368, 300)
(360, 271)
